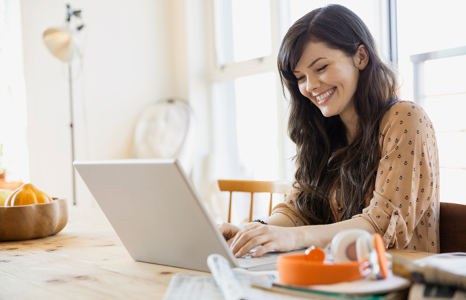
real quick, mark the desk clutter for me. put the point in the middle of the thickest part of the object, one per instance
(235, 284)
(440, 276)
(354, 265)
(435, 277)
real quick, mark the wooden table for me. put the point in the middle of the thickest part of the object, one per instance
(86, 260)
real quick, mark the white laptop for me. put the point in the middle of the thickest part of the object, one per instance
(154, 209)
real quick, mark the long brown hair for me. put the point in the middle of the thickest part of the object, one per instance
(326, 162)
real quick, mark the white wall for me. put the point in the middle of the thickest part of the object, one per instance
(199, 93)
(131, 59)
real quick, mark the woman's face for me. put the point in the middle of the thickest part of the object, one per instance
(329, 79)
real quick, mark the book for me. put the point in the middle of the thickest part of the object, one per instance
(393, 287)
(304, 293)
(425, 291)
(445, 269)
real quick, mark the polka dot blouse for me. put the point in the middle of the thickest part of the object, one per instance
(404, 207)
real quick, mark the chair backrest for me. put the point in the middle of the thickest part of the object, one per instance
(452, 227)
(253, 186)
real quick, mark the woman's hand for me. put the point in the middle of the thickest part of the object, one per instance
(229, 231)
(270, 237)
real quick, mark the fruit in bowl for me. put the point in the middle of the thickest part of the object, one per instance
(29, 213)
(4, 195)
(27, 194)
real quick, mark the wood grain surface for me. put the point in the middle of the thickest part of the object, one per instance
(86, 260)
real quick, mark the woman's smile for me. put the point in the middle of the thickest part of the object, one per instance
(325, 96)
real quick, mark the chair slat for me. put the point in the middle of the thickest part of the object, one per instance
(253, 186)
(229, 208)
(270, 204)
(251, 208)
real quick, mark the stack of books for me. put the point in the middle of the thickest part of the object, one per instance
(439, 276)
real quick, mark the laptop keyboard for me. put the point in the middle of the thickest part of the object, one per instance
(247, 261)
(269, 258)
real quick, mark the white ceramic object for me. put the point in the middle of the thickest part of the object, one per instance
(166, 129)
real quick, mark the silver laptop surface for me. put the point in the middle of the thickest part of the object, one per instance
(154, 209)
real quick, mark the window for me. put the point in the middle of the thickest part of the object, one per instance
(248, 108)
(245, 114)
(242, 30)
(438, 84)
(14, 158)
(368, 10)
(245, 100)
(247, 95)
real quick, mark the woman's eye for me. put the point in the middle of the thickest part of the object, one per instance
(323, 68)
(300, 78)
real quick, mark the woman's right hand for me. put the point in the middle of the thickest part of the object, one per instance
(229, 231)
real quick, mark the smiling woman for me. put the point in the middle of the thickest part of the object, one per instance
(364, 159)
(332, 76)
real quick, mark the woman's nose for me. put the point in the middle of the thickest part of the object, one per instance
(311, 84)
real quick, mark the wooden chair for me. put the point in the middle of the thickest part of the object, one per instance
(452, 227)
(253, 186)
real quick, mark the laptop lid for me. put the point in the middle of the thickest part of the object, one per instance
(155, 211)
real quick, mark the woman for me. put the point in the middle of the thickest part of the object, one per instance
(364, 160)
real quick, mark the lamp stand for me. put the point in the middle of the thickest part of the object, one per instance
(70, 83)
(60, 43)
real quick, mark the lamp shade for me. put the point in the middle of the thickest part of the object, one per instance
(61, 44)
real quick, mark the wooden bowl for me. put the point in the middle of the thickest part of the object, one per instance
(32, 221)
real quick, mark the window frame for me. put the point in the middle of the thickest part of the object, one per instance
(279, 20)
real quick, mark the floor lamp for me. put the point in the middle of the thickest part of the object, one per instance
(61, 42)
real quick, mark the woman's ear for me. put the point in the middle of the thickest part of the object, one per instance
(361, 58)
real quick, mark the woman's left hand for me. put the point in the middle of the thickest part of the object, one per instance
(270, 237)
